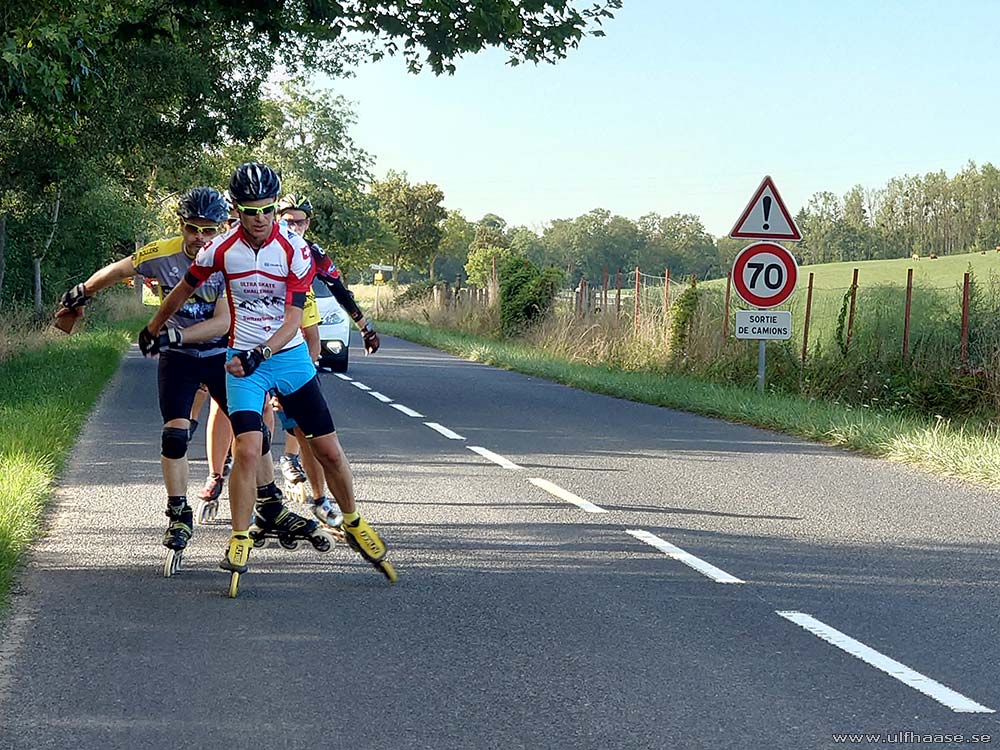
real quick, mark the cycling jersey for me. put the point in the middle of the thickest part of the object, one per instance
(166, 261)
(329, 275)
(259, 283)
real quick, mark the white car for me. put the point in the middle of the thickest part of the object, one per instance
(334, 329)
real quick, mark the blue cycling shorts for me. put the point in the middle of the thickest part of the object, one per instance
(286, 371)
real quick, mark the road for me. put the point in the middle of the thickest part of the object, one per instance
(596, 574)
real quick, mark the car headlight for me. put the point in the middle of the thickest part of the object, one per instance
(334, 347)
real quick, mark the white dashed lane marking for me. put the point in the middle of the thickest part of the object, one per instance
(955, 701)
(569, 497)
(716, 574)
(344, 377)
(406, 410)
(450, 434)
(380, 396)
(494, 457)
(360, 385)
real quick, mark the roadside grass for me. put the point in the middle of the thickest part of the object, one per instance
(968, 450)
(48, 390)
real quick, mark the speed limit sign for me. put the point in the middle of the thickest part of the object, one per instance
(764, 274)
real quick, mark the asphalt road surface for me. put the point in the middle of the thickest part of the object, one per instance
(575, 571)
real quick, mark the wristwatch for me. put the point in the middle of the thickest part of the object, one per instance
(265, 352)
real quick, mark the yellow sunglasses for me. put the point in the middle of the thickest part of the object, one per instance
(209, 231)
(257, 210)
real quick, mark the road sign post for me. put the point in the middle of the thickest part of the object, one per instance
(764, 273)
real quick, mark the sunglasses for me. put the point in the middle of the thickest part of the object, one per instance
(257, 210)
(209, 231)
(296, 222)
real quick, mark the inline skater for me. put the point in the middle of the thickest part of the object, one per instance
(267, 271)
(184, 366)
(296, 212)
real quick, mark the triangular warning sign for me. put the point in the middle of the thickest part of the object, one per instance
(765, 217)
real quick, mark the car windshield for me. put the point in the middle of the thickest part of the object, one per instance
(321, 289)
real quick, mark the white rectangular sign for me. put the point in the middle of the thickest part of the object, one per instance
(771, 325)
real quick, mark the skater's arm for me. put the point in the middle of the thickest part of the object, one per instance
(109, 275)
(288, 329)
(211, 329)
(174, 302)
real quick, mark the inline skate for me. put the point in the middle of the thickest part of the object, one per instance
(364, 540)
(208, 501)
(328, 513)
(295, 477)
(176, 537)
(272, 520)
(235, 560)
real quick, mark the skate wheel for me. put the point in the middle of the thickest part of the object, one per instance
(234, 584)
(172, 563)
(321, 541)
(388, 571)
(298, 492)
(288, 543)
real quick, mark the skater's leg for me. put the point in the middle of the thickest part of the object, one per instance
(219, 437)
(336, 469)
(246, 457)
(313, 469)
(291, 444)
(173, 456)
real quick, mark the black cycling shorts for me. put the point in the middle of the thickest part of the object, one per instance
(180, 375)
(309, 409)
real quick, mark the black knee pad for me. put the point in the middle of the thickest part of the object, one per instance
(265, 444)
(174, 442)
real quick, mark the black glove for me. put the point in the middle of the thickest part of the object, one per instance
(149, 344)
(171, 337)
(370, 338)
(250, 359)
(75, 297)
(167, 338)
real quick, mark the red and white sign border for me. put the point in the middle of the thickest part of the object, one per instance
(787, 260)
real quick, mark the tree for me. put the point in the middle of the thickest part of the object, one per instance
(482, 260)
(457, 234)
(413, 215)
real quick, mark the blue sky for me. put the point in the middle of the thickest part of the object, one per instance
(684, 107)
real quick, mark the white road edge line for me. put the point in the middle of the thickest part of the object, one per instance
(716, 574)
(406, 410)
(380, 396)
(955, 701)
(450, 434)
(359, 384)
(569, 497)
(344, 377)
(494, 457)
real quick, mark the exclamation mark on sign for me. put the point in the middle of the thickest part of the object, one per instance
(767, 211)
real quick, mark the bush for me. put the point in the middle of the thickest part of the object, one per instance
(419, 291)
(526, 294)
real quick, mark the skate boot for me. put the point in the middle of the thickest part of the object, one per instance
(272, 520)
(235, 560)
(295, 476)
(208, 503)
(327, 513)
(176, 537)
(365, 541)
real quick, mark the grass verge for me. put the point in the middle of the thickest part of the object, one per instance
(46, 396)
(969, 451)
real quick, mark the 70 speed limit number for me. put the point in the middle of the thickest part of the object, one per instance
(764, 274)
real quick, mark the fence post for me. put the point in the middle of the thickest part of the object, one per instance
(725, 313)
(638, 287)
(850, 315)
(805, 327)
(618, 296)
(604, 296)
(666, 291)
(906, 313)
(965, 318)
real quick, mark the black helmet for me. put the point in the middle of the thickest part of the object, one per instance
(253, 181)
(293, 202)
(203, 203)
